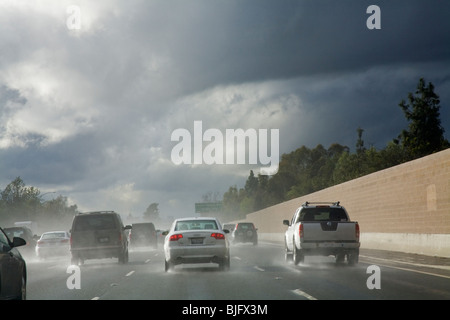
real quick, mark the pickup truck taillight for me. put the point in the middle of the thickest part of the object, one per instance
(300, 230)
(357, 231)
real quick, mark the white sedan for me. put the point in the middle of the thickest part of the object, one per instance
(196, 240)
(53, 243)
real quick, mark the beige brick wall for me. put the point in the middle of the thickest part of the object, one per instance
(411, 198)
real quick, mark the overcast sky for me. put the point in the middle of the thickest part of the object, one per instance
(91, 91)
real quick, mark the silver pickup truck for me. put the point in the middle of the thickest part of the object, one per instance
(322, 228)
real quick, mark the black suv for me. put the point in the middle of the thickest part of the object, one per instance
(245, 232)
(97, 235)
(143, 235)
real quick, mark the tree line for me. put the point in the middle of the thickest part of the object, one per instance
(307, 170)
(19, 202)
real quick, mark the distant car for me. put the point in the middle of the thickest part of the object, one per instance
(98, 235)
(53, 243)
(143, 235)
(196, 240)
(13, 269)
(245, 232)
(26, 234)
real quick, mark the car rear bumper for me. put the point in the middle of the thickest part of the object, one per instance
(97, 252)
(52, 250)
(328, 247)
(192, 254)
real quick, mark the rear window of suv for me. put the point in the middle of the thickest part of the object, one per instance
(95, 222)
(245, 226)
(323, 214)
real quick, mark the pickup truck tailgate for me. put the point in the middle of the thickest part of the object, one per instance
(338, 231)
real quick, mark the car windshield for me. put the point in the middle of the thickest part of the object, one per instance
(323, 214)
(196, 225)
(95, 222)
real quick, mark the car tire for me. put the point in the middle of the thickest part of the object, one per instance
(287, 253)
(340, 258)
(225, 264)
(123, 257)
(353, 258)
(297, 255)
(23, 288)
(167, 266)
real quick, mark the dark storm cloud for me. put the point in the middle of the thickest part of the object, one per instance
(240, 41)
(91, 111)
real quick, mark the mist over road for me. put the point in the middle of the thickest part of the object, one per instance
(257, 273)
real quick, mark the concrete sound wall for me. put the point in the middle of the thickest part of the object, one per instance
(404, 208)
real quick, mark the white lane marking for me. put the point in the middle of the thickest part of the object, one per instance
(147, 261)
(129, 273)
(412, 270)
(259, 269)
(237, 258)
(95, 298)
(303, 294)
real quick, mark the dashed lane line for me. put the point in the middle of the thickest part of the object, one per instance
(304, 294)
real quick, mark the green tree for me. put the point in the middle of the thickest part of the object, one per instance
(231, 205)
(425, 135)
(19, 202)
(251, 185)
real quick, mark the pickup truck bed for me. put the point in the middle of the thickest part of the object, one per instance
(322, 229)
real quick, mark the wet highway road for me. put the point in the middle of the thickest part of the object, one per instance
(258, 273)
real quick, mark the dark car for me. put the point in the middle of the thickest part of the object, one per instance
(245, 232)
(13, 270)
(98, 235)
(143, 235)
(26, 234)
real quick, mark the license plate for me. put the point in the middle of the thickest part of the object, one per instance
(328, 244)
(197, 241)
(103, 240)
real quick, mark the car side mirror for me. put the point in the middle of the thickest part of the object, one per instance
(165, 233)
(226, 230)
(17, 242)
(286, 222)
(127, 227)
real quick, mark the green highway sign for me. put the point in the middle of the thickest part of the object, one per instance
(207, 207)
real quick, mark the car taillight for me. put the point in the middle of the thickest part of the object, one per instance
(300, 231)
(217, 236)
(357, 231)
(175, 237)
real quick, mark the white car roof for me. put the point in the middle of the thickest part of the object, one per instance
(196, 218)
